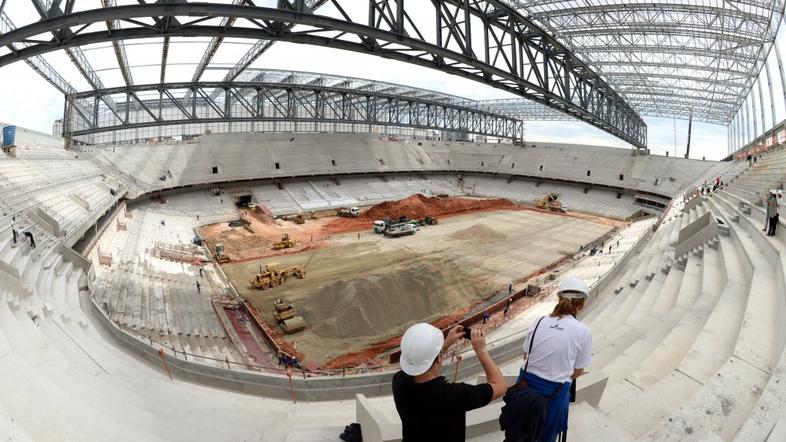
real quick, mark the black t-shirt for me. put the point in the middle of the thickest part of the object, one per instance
(436, 410)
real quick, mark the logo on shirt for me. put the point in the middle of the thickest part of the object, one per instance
(557, 327)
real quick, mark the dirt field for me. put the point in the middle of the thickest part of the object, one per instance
(358, 292)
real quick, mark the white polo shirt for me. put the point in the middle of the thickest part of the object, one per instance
(561, 345)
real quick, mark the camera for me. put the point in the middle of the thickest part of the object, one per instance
(467, 333)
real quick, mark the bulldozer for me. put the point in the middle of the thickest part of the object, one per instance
(273, 275)
(285, 243)
(551, 202)
(430, 221)
(221, 254)
(300, 218)
(283, 310)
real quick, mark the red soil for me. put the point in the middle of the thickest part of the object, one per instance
(416, 207)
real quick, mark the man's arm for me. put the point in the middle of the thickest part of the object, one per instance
(493, 373)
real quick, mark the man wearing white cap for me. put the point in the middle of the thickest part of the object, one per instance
(432, 409)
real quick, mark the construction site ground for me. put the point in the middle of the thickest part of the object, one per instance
(362, 288)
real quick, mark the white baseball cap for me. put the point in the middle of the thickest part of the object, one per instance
(420, 345)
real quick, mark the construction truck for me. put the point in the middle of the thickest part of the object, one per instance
(273, 275)
(401, 229)
(283, 310)
(380, 226)
(221, 254)
(551, 202)
(348, 212)
(285, 243)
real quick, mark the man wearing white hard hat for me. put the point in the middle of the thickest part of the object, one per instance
(431, 408)
(557, 350)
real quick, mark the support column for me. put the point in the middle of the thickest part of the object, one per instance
(753, 114)
(761, 105)
(772, 96)
(690, 128)
(746, 124)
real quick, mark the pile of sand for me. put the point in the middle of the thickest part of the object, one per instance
(384, 304)
(479, 232)
(418, 206)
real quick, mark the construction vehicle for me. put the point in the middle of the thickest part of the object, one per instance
(293, 325)
(285, 243)
(347, 212)
(429, 221)
(551, 202)
(221, 254)
(401, 229)
(300, 218)
(380, 226)
(283, 310)
(273, 276)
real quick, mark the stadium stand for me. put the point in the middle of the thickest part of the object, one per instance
(233, 157)
(697, 320)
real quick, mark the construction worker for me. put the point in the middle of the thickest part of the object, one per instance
(15, 234)
(510, 288)
(199, 287)
(430, 407)
(200, 272)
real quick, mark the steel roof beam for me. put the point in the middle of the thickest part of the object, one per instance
(119, 46)
(538, 67)
(299, 102)
(50, 10)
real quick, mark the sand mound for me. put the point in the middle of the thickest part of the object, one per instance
(479, 232)
(418, 206)
(384, 305)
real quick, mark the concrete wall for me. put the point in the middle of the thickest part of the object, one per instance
(310, 389)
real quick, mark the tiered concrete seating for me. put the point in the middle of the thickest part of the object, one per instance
(235, 157)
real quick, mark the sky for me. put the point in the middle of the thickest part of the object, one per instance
(29, 101)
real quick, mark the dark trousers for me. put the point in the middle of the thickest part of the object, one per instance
(773, 225)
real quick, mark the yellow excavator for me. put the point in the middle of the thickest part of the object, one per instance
(551, 202)
(273, 275)
(285, 243)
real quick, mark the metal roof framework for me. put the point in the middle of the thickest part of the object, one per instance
(280, 96)
(483, 40)
(668, 58)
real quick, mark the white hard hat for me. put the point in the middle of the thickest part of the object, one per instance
(420, 345)
(573, 287)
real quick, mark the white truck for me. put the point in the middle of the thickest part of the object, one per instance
(348, 212)
(402, 229)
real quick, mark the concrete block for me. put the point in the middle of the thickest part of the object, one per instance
(375, 426)
(665, 269)
(590, 387)
(633, 283)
